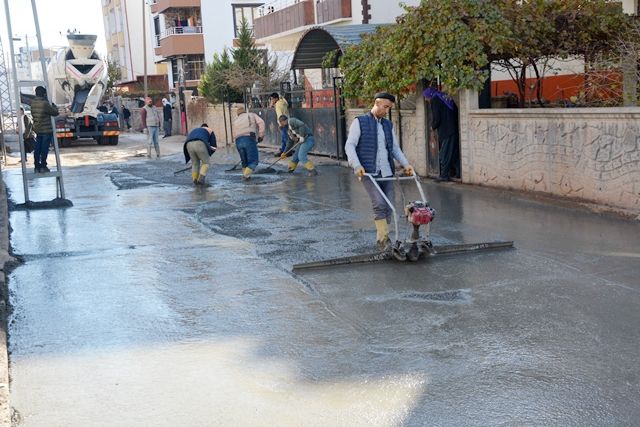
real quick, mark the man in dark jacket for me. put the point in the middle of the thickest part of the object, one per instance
(198, 147)
(445, 121)
(42, 111)
(371, 147)
(166, 114)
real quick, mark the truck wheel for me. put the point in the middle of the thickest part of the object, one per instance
(100, 140)
(64, 142)
(113, 140)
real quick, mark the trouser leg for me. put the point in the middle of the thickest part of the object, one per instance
(446, 156)
(252, 155)
(242, 152)
(305, 147)
(283, 139)
(154, 131)
(381, 209)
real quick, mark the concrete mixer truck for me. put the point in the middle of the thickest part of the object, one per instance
(77, 80)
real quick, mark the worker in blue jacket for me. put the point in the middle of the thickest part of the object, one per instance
(372, 147)
(198, 147)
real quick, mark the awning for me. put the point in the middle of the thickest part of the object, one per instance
(317, 42)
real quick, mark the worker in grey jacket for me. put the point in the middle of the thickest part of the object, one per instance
(298, 133)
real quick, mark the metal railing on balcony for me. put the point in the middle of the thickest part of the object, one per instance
(283, 15)
(177, 30)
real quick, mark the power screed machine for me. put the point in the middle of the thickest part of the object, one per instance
(417, 245)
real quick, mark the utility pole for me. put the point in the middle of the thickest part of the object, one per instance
(144, 43)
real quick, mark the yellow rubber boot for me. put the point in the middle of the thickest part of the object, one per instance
(382, 235)
(203, 174)
(246, 173)
(194, 177)
(311, 170)
(292, 166)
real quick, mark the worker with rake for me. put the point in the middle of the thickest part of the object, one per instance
(299, 135)
(371, 147)
(248, 130)
(198, 147)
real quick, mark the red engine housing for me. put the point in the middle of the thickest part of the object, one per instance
(419, 213)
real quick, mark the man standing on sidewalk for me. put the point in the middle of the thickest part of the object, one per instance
(282, 109)
(150, 117)
(168, 119)
(248, 130)
(445, 122)
(372, 146)
(42, 111)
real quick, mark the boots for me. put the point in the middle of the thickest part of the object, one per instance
(194, 177)
(203, 173)
(246, 173)
(311, 170)
(292, 167)
(382, 235)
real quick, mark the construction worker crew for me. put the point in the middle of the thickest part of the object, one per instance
(248, 130)
(198, 147)
(282, 109)
(298, 133)
(42, 111)
(371, 147)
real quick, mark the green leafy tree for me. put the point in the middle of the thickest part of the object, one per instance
(249, 63)
(114, 74)
(448, 40)
(454, 41)
(213, 84)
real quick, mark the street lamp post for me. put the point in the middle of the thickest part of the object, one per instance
(144, 44)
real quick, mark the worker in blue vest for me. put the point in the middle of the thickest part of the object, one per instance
(371, 147)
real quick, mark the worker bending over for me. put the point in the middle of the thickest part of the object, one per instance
(198, 147)
(248, 130)
(298, 133)
(371, 147)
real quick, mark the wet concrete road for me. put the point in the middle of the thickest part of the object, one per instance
(153, 303)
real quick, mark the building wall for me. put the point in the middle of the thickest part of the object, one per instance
(381, 11)
(217, 25)
(586, 154)
(123, 33)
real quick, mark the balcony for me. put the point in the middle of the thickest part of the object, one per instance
(179, 41)
(330, 10)
(288, 17)
(163, 6)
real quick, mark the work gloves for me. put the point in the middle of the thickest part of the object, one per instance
(260, 139)
(359, 172)
(283, 155)
(408, 170)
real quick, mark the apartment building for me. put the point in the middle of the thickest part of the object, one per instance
(178, 40)
(124, 37)
(221, 21)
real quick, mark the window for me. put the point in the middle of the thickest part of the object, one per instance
(246, 11)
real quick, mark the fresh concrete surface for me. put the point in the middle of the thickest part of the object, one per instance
(152, 302)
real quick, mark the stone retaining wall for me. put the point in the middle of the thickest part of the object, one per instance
(589, 154)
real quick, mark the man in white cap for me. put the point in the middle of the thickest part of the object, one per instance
(371, 147)
(150, 117)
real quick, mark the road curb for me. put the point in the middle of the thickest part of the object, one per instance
(5, 261)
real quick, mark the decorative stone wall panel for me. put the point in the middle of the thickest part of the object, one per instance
(589, 154)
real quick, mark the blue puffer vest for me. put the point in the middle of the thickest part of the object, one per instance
(367, 148)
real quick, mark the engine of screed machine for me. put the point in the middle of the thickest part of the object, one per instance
(419, 213)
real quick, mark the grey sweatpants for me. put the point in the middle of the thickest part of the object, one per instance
(381, 209)
(199, 157)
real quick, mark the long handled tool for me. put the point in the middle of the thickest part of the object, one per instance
(182, 170)
(270, 169)
(417, 213)
(234, 167)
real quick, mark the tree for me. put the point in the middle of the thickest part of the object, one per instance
(213, 84)
(448, 40)
(249, 63)
(544, 31)
(453, 42)
(114, 74)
